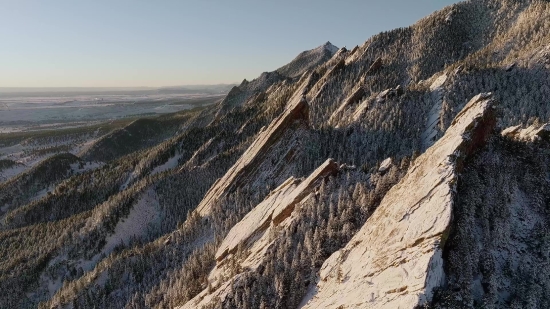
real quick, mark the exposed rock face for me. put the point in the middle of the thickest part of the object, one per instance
(389, 93)
(295, 114)
(274, 209)
(385, 165)
(375, 66)
(395, 260)
(432, 130)
(531, 134)
(251, 233)
(353, 98)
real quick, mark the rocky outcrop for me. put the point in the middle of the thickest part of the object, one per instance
(274, 209)
(254, 233)
(385, 165)
(432, 129)
(395, 260)
(530, 134)
(238, 95)
(497, 253)
(355, 97)
(295, 115)
(375, 66)
(389, 93)
(336, 64)
(353, 55)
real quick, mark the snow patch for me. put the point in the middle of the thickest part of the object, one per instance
(42, 193)
(430, 132)
(13, 171)
(170, 164)
(438, 83)
(144, 214)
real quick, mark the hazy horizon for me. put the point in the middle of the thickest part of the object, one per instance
(9, 89)
(64, 44)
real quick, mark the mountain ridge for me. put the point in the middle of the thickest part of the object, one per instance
(231, 226)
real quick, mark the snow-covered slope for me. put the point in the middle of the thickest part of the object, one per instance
(308, 60)
(395, 260)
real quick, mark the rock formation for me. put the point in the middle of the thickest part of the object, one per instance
(296, 114)
(395, 260)
(252, 235)
(531, 134)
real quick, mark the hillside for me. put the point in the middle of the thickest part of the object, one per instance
(410, 171)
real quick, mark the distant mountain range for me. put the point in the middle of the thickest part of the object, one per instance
(48, 91)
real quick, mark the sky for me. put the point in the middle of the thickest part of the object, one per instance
(137, 43)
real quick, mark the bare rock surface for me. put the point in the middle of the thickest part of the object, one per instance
(530, 134)
(252, 232)
(274, 209)
(395, 260)
(385, 165)
(295, 113)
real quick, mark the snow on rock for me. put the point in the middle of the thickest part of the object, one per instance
(353, 98)
(170, 164)
(253, 231)
(274, 209)
(385, 165)
(296, 112)
(438, 82)
(144, 213)
(308, 60)
(353, 55)
(531, 134)
(395, 260)
(432, 122)
(375, 66)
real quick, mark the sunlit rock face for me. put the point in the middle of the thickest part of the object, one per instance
(395, 260)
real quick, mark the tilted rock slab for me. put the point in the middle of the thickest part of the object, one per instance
(296, 111)
(252, 232)
(274, 209)
(395, 260)
(530, 134)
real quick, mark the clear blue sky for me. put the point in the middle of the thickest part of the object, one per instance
(161, 43)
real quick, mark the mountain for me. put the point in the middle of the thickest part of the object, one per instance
(308, 60)
(409, 172)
